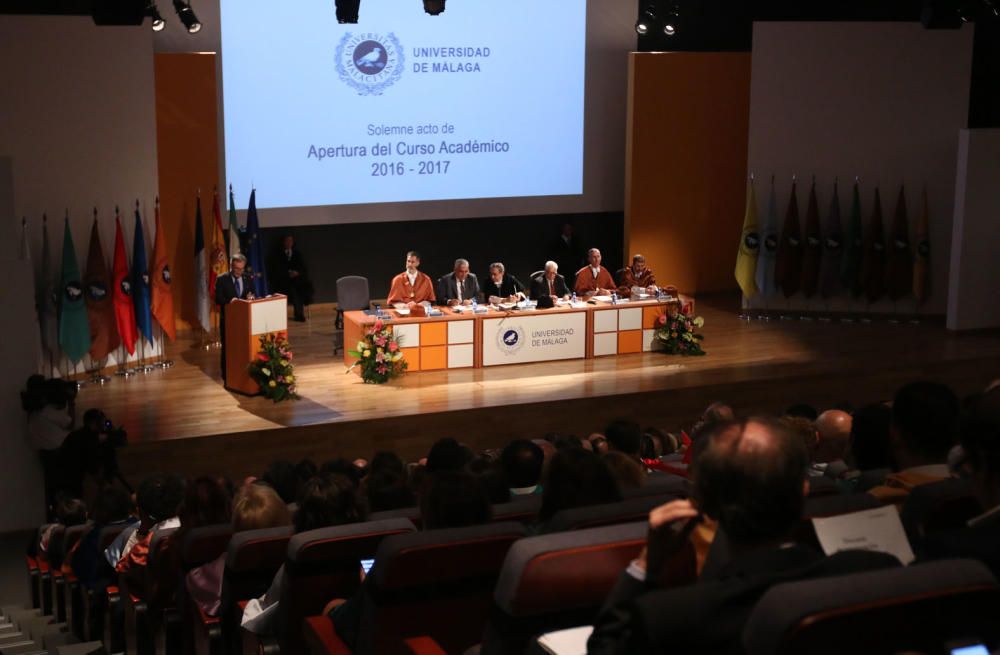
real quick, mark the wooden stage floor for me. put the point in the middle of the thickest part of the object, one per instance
(181, 419)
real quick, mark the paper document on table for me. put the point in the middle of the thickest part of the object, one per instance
(567, 642)
(578, 304)
(875, 529)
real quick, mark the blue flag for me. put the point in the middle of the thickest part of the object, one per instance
(140, 281)
(255, 249)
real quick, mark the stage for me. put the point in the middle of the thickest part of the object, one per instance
(181, 419)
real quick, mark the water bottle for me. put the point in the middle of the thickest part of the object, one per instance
(378, 311)
(614, 297)
(573, 299)
(474, 305)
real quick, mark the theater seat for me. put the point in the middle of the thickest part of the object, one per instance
(913, 609)
(660, 484)
(144, 611)
(938, 506)
(200, 633)
(560, 580)
(322, 565)
(626, 511)
(523, 509)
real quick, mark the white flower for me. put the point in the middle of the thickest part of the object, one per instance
(266, 371)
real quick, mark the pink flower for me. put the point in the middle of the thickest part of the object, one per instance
(289, 355)
(673, 326)
(393, 346)
(379, 357)
(378, 325)
(380, 341)
(262, 357)
(662, 319)
(382, 369)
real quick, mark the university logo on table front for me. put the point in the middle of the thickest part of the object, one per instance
(369, 62)
(510, 339)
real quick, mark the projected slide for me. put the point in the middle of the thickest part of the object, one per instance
(482, 101)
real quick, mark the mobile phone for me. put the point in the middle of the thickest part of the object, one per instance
(967, 648)
(367, 564)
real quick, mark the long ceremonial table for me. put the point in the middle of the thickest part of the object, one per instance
(496, 337)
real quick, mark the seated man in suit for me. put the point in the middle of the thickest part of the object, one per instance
(636, 275)
(751, 478)
(549, 283)
(502, 287)
(460, 287)
(236, 284)
(411, 286)
(290, 276)
(593, 279)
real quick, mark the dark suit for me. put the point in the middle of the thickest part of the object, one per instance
(448, 288)
(508, 286)
(540, 287)
(225, 293)
(298, 289)
(981, 542)
(709, 616)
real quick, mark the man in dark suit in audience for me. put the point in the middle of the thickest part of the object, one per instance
(460, 287)
(549, 283)
(289, 276)
(236, 284)
(751, 478)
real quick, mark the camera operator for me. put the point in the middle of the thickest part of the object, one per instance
(92, 450)
(50, 405)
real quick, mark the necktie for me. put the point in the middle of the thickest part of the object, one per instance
(239, 287)
(458, 285)
(552, 290)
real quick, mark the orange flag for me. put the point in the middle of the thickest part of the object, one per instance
(217, 258)
(97, 293)
(163, 297)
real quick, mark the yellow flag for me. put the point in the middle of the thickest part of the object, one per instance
(746, 257)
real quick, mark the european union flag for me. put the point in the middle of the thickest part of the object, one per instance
(140, 280)
(255, 249)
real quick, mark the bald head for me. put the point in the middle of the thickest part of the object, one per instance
(834, 428)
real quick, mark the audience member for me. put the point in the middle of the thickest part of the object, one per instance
(453, 499)
(90, 450)
(751, 478)
(447, 455)
(283, 478)
(624, 436)
(923, 429)
(159, 499)
(805, 429)
(598, 443)
(522, 463)
(577, 478)
(387, 489)
(833, 428)
(627, 471)
(112, 506)
(206, 502)
(487, 470)
(564, 441)
(870, 449)
(68, 512)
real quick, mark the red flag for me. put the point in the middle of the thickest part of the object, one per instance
(124, 310)
(218, 264)
(163, 296)
(813, 250)
(899, 259)
(788, 266)
(873, 262)
(100, 305)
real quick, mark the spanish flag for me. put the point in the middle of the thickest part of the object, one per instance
(746, 256)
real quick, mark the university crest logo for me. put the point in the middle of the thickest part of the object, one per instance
(369, 62)
(510, 339)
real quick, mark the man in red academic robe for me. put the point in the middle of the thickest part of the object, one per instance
(411, 286)
(636, 275)
(593, 279)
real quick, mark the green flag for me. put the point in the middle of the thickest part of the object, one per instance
(74, 327)
(850, 262)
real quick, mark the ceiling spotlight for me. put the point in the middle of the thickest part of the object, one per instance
(646, 20)
(186, 14)
(669, 28)
(158, 22)
(434, 7)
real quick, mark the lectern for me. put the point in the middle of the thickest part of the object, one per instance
(246, 322)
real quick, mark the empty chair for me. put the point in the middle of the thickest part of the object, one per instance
(352, 295)
(626, 511)
(939, 506)
(560, 580)
(438, 583)
(918, 608)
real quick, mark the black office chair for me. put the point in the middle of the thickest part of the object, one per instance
(352, 294)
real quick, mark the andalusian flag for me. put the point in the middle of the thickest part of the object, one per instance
(162, 282)
(74, 329)
(233, 236)
(100, 303)
(746, 256)
(201, 272)
(922, 261)
(850, 263)
(764, 276)
(899, 259)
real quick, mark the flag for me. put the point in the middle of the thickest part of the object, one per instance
(46, 296)
(922, 261)
(788, 264)
(122, 291)
(746, 255)
(140, 280)
(873, 257)
(162, 290)
(764, 276)
(219, 260)
(74, 330)
(201, 272)
(833, 240)
(850, 263)
(255, 258)
(233, 237)
(812, 252)
(100, 304)
(899, 259)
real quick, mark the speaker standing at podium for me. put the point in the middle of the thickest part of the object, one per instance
(234, 285)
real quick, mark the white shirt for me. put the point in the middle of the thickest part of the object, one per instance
(48, 427)
(595, 271)
(458, 285)
(412, 276)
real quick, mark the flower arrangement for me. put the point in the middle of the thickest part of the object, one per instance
(273, 368)
(379, 355)
(676, 334)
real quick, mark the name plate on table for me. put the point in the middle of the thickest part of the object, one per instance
(521, 338)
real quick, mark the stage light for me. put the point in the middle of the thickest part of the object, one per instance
(672, 22)
(669, 28)
(434, 7)
(646, 20)
(158, 22)
(186, 14)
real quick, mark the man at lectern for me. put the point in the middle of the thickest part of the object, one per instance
(229, 287)
(411, 286)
